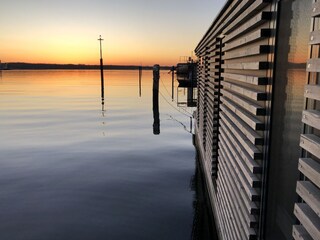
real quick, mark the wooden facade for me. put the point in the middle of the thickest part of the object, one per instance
(235, 87)
(307, 210)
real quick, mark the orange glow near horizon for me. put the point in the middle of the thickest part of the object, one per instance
(135, 32)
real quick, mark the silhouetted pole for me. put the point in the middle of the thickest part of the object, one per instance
(172, 87)
(101, 68)
(140, 75)
(156, 119)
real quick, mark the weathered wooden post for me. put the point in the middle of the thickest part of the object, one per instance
(172, 84)
(156, 119)
(101, 68)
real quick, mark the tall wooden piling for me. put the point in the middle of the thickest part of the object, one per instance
(156, 118)
(101, 68)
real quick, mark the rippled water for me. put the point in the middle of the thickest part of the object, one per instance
(74, 168)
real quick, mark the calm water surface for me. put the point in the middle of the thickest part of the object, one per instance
(74, 168)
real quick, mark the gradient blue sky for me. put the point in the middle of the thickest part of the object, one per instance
(135, 31)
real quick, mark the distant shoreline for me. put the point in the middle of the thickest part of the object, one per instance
(47, 66)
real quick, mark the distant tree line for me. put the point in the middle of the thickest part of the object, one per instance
(45, 66)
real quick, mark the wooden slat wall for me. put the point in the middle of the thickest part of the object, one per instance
(308, 188)
(234, 76)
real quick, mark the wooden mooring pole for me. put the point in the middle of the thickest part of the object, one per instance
(156, 118)
(101, 68)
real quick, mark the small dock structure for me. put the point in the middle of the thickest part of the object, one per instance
(187, 73)
(257, 125)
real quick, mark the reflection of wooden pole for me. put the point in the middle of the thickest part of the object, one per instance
(140, 75)
(156, 118)
(172, 87)
(190, 96)
(101, 68)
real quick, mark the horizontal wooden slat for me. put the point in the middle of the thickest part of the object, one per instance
(246, 14)
(249, 51)
(312, 118)
(314, 37)
(250, 93)
(250, 148)
(244, 103)
(240, 163)
(247, 39)
(252, 135)
(251, 193)
(244, 219)
(249, 162)
(312, 91)
(246, 79)
(233, 183)
(247, 65)
(249, 25)
(253, 122)
(310, 194)
(308, 219)
(223, 19)
(311, 143)
(229, 215)
(316, 9)
(313, 65)
(299, 233)
(311, 169)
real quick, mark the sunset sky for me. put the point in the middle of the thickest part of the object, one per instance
(135, 31)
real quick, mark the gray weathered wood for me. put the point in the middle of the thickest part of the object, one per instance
(253, 122)
(299, 233)
(312, 91)
(312, 118)
(314, 37)
(248, 38)
(246, 79)
(234, 202)
(250, 148)
(240, 163)
(311, 143)
(246, 14)
(310, 194)
(248, 51)
(313, 65)
(251, 107)
(311, 169)
(249, 25)
(250, 93)
(315, 9)
(240, 227)
(247, 65)
(308, 219)
(252, 135)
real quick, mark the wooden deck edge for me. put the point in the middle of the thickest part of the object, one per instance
(208, 182)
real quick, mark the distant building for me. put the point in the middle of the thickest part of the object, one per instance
(258, 118)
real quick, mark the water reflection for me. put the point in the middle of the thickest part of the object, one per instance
(203, 227)
(71, 182)
(156, 116)
(140, 76)
(186, 96)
